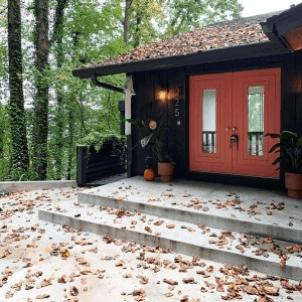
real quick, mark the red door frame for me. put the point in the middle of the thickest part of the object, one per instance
(231, 112)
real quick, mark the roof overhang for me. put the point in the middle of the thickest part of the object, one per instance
(284, 31)
(217, 55)
(287, 27)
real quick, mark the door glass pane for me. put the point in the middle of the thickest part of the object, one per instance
(255, 120)
(209, 121)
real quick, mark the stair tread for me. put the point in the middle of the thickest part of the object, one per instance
(288, 218)
(198, 237)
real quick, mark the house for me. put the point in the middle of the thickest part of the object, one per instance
(219, 88)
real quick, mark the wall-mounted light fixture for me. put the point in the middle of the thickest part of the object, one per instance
(164, 94)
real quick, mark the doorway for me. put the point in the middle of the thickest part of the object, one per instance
(229, 114)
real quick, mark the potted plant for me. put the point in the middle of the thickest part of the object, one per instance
(291, 145)
(165, 165)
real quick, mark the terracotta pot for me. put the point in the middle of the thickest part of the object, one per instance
(293, 183)
(165, 171)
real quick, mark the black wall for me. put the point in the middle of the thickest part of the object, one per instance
(146, 106)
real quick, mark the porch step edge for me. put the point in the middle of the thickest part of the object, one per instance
(288, 234)
(205, 251)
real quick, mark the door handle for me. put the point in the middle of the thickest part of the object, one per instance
(234, 139)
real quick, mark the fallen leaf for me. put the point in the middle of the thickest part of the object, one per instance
(74, 291)
(44, 296)
(65, 254)
(46, 282)
(63, 279)
(250, 290)
(148, 229)
(170, 226)
(171, 282)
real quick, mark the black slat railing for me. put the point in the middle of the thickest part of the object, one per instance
(255, 143)
(209, 141)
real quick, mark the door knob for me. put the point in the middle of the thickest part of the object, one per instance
(234, 138)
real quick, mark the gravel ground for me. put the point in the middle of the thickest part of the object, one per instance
(47, 262)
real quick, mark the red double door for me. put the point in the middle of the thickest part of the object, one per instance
(229, 114)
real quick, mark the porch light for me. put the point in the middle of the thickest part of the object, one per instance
(163, 95)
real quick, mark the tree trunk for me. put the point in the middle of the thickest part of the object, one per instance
(20, 158)
(70, 132)
(126, 22)
(58, 37)
(41, 99)
(137, 37)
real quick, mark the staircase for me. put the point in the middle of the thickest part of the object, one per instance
(241, 226)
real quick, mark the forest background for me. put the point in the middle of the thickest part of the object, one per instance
(45, 112)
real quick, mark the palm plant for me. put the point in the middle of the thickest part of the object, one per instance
(291, 145)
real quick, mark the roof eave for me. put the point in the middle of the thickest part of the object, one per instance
(216, 55)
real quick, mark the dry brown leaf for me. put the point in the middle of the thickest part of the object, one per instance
(170, 226)
(139, 295)
(148, 229)
(43, 296)
(210, 269)
(169, 294)
(74, 291)
(271, 290)
(189, 280)
(65, 254)
(144, 280)
(268, 239)
(38, 274)
(63, 279)
(119, 263)
(171, 282)
(250, 290)
(46, 282)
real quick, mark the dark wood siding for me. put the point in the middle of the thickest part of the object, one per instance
(147, 83)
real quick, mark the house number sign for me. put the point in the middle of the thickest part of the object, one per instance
(177, 107)
(177, 94)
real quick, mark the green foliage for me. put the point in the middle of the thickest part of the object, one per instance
(291, 146)
(184, 15)
(91, 32)
(96, 139)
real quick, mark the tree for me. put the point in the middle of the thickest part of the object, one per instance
(41, 98)
(58, 32)
(184, 15)
(19, 156)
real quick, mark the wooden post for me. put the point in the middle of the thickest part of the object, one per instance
(82, 164)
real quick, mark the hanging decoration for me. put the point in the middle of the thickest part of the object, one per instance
(152, 125)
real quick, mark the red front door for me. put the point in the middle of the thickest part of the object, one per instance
(228, 115)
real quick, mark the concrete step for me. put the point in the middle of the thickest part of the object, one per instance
(283, 225)
(188, 238)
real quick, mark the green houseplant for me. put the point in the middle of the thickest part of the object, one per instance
(165, 164)
(291, 146)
